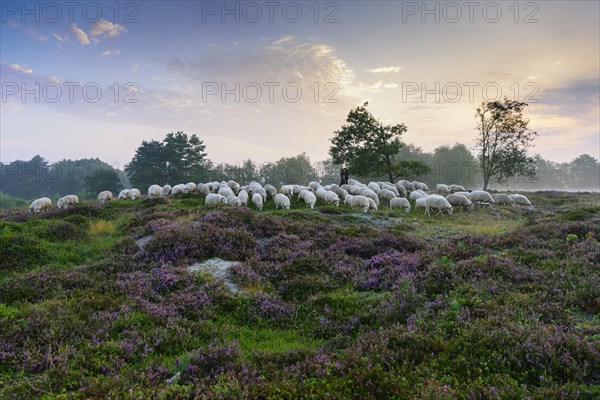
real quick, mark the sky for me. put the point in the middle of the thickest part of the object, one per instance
(271, 79)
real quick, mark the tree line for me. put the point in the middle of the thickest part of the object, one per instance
(370, 149)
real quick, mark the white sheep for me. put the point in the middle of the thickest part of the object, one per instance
(456, 188)
(271, 191)
(458, 200)
(234, 201)
(520, 199)
(420, 186)
(177, 189)
(360, 202)
(401, 189)
(374, 186)
(105, 196)
(257, 200)
(134, 193)
(408, 185)
(314, 185)
(287, 190)
(372, 203)
(203, 189)
(480, 196)
(123, 194)
(386, 195)
(233, 185)
(67, 201)
(39, 205)
(191, 187)
(465, 193)
(503, 199)
(281, 200)
(400, 202)
(226, 191)
(332, 198)
(166, 190)
(370, 194)
(243, 196)
(438, 203)
(310, 199)
(416, 195)
(421, 202)
(442, 189)
(154, 191)
(213, 199)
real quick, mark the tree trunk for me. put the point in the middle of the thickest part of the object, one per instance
(391, 177)
(486, 180)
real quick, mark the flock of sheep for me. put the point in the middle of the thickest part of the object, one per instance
(355, 194)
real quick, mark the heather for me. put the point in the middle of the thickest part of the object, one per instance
(99, 302)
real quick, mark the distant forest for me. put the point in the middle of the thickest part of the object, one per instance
(26, 180)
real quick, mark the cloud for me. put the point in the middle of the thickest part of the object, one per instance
(20, 68)
(59, 38)
(111, 52)
(80, 35)
(106, 30)
(384, 70)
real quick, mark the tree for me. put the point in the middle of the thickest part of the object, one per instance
(503, 140)
(176, 159)
(585, 172)
(367, 146)
(103, 179)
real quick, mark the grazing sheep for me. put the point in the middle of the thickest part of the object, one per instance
(465, 193)
(123, 194)
(386, 195)
(374, 186)
(39, 205)
(281, 200)
(360, 202)
(408, 185)
(421, 203)
(391, 188)
(401, 190)
(243, 196)
(458, 200)
(456, 188)
(191, 187)
(314, 185)
(346, 187)
(234, 201)
(437, 202)
(154, 191)
(287, 190)
(520, 199)
(341, 193)
(263, 193)
(372, 203)
(134, 193)
(480, 196)
(166, 190)
(214, 199)
(420, 186)
(368, 193)
(67, 201)
(177, 189)
(503, 199)
(203, 189)
(332, 198)
(105, 196)
(271, 191)
(226, 191)
(310, 199)
(257, 200)
(443, 189)
(233, 185)
(416, 195)
(400, 202)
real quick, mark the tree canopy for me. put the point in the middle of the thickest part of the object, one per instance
(177, 158)
(367, 147)
(503, 140)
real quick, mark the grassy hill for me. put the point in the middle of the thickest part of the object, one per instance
(99, 302)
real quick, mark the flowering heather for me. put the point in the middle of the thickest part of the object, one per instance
(330, 305)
